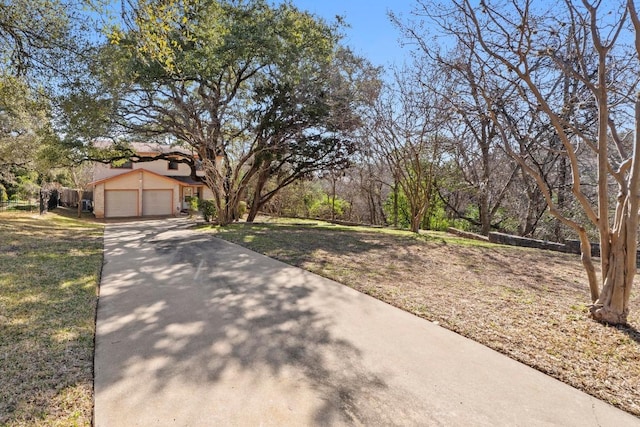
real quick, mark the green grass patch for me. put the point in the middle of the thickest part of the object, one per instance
(270, 235)
(49, 272)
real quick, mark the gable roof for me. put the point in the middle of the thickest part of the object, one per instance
(145, 147)
(186, 180)
(143, 170)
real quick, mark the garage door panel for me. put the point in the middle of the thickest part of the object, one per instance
(157, 202)
(120, 203)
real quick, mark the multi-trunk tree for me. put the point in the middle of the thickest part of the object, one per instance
(258, 93)
(404, 132)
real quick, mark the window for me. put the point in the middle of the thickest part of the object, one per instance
(173, 165)
(121, 165)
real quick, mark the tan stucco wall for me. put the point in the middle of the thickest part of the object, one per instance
(98, 201)
(160, 167)
(154, 182)
(126, 182)
(176, 200)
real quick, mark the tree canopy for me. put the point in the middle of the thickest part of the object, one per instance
(25, 128)
(255, 91)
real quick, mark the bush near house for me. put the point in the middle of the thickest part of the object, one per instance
(193, 205)
(208, 209)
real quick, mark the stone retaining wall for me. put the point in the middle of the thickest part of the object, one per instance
(507, 239)
(467, 234)
(570, 247)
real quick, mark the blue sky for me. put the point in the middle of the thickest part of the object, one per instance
(371, 33)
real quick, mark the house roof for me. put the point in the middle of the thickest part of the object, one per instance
(145, 147)
(186, 180)
(143, 170)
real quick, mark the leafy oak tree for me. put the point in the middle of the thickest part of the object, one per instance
(256, 92)
(25, 128)
(33, 35)
(42, 45)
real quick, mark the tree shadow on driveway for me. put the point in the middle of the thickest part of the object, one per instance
(183, 312)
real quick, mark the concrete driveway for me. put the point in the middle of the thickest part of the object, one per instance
(196, 331)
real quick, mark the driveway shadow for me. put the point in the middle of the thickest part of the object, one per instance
(179, 305)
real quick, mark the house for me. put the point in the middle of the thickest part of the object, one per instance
(157, 188)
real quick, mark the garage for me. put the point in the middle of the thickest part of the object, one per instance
(136, 193)
(121, 203)
(157, 202)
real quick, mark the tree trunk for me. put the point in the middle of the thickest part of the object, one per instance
(257, 203)
(333, 198)
(417, 212)
(415, 223)
(613, 305)
(395, 205)
(563, 174)
(253, 212)
(485, 219)
(79, 193)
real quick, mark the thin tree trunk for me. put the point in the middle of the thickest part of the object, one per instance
(395, 205)
(485, 220)
(562, 191)
(333, 198)
(613, 304)
(587, 262)
(415, 223)
(256, 204)
(80, 193)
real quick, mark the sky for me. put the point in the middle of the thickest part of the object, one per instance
(371, 33)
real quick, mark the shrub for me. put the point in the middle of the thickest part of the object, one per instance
(208, 208)
(193, 203)
(242, 208)
(323, 207)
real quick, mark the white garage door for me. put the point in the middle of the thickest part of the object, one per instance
(120, 203)
(157, 202)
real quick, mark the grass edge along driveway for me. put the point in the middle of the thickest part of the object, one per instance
(49, 274)
(528, 304)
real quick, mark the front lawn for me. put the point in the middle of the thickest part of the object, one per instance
(49, 272)
(528, 304)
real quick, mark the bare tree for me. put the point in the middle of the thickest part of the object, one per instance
(474, 136)
(405, 135)
(373, 184)
(527, 49)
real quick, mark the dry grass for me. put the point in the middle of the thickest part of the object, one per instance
(49, 272)
(528, 304)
